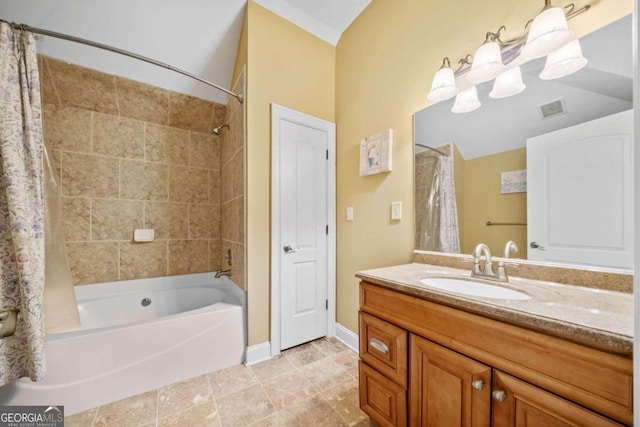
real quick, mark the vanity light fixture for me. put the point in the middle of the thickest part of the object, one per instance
(444, 83)
(549, 32)
(508, 84)
(466, 101)
(564, 61)
(487, 61)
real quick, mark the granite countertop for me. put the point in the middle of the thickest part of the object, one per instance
(597, 318)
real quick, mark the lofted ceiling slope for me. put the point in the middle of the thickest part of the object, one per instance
(198, 36)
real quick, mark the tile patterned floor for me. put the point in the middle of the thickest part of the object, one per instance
(315, 384)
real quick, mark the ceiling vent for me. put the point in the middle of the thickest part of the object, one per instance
(552, 109)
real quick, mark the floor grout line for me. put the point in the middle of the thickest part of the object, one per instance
(157, 406)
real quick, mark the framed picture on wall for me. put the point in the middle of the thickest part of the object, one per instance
(513, 182)
(375, 153)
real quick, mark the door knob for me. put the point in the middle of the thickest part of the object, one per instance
(288, 249)
(536, 245)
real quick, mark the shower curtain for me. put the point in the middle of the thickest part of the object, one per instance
(439, 224)
(21, 206)
(449, 233)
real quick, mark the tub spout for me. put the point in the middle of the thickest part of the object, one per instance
(221, 273)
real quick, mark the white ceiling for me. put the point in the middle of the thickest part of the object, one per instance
(602, 88)
(326, 19)
(198, 36)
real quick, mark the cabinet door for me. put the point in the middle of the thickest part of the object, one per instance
(383, 400)
(517, 403)
(447, 388)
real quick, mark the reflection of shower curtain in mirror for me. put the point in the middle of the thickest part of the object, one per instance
(438, 227)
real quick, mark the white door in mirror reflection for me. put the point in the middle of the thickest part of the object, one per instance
(580, 193)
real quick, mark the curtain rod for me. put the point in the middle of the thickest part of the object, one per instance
(432, 149)
(24, 27)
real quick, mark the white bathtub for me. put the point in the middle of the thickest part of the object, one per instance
(194, 324)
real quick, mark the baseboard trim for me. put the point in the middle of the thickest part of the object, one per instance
(258, 353)
(348, 337)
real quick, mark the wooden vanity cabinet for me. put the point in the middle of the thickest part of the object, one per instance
(432, 365)
(447, 388)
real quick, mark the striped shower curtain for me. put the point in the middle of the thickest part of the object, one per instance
(21, 207)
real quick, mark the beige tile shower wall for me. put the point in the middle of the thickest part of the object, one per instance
(232, 194)
(129, 155)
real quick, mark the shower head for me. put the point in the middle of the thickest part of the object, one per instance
(218, 129)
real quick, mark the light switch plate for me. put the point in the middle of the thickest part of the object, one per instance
(350, 213)
(396, 211)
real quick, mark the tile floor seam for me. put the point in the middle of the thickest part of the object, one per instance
(295, 369)
(157, 406)
(235, 391)
(215, 408)
(95, 416)
(270, 401)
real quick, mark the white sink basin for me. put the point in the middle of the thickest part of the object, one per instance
(475, 289)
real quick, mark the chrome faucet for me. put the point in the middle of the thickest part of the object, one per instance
(486, 272)
(221, 273)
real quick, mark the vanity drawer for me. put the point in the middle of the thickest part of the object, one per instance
(384, 401)
(384, 347)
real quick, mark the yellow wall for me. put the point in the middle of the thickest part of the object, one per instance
(483, 202)
(290, 67)
(384, 65)
(243, 50)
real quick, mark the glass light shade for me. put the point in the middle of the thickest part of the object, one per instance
(487, 63)
(466, 101)
(549, 32)
(507, 84)
(443, 85)
(564, 61)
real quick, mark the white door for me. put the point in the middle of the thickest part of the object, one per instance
(580, 193)
(303, 220)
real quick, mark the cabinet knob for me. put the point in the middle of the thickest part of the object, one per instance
(499, 395)
(477, 385)
(379, 345)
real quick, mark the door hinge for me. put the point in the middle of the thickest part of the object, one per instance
(327, 229)
(326, 305)
(327, 154)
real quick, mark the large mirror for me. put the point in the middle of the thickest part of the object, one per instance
(509, 177)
